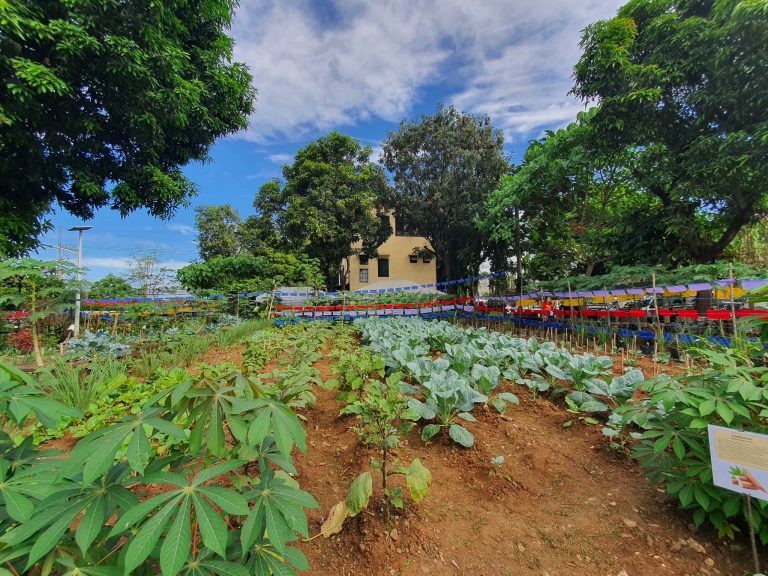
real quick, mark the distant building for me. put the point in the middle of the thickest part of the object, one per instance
(402, 257)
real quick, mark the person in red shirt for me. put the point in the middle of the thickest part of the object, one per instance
(547, 307)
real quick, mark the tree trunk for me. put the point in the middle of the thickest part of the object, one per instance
(704, 300)
(33, 327)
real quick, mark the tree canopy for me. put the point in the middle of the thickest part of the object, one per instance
(148, 276)
(330, 200)
(574, 208)
(111, 286)
(685, 85)
(218, 231)
(444, 166)
(246, 272)
(102, 103)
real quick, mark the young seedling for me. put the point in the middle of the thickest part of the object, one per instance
(384, 416)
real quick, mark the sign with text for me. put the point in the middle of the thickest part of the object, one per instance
(739, 461)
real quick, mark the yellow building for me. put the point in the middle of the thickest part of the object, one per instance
(401, 257)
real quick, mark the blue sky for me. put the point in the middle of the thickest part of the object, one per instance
(360, 67)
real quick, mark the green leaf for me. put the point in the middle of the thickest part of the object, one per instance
(166, 427)
(178, 541)
(461, 435)
(499, 404)
(359, 493)
(214, 435)
(213, 529)
(141, 546)
(138, 450)
(228, 500)
(678, 448)
(509, 397)
(287, 430)
(18, 507)
(707, 407)
(259, 428)
(725, 412)
(221, 568)
(418, 479)
(216, 470)
(91, 524)
(429, 431)
(49, 538)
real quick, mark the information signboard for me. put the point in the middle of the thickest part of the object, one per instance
(739, 461)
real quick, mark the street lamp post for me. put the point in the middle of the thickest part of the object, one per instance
(80, 230)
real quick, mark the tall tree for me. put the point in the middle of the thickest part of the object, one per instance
(147, 274)
(444, 166)
(568, 205)
(218, 231)
(685, 84)
(102, 103)
(329, 201)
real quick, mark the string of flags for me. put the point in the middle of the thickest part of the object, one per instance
(479, 310)
(304, 294)
(751, 284)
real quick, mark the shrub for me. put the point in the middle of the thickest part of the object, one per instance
(674, 446)
(21, 340)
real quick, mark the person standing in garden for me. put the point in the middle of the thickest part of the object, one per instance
(547, 307)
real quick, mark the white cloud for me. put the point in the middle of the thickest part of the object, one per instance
(183, 229)
(280, 158)
(512, 60)
(92, 261)
(124, 263)
(375, 153)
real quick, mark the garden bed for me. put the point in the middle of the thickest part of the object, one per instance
(562, 503)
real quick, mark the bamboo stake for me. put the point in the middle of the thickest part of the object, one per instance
(658, 323)
(733, 303)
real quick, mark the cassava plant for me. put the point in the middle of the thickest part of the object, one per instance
(207, 512)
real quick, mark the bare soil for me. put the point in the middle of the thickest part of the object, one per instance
(561, 504)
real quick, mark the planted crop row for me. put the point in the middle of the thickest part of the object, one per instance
(473, 364)
(294, 351)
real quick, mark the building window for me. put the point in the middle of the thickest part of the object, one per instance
(413, 258)
(363, 275)
(363, 260)
(402, 228)
(383, 267)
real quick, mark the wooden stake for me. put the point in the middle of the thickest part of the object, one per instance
(755, 557)
(733, 304)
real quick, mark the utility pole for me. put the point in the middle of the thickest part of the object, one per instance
(58, 256)
(79, 230)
